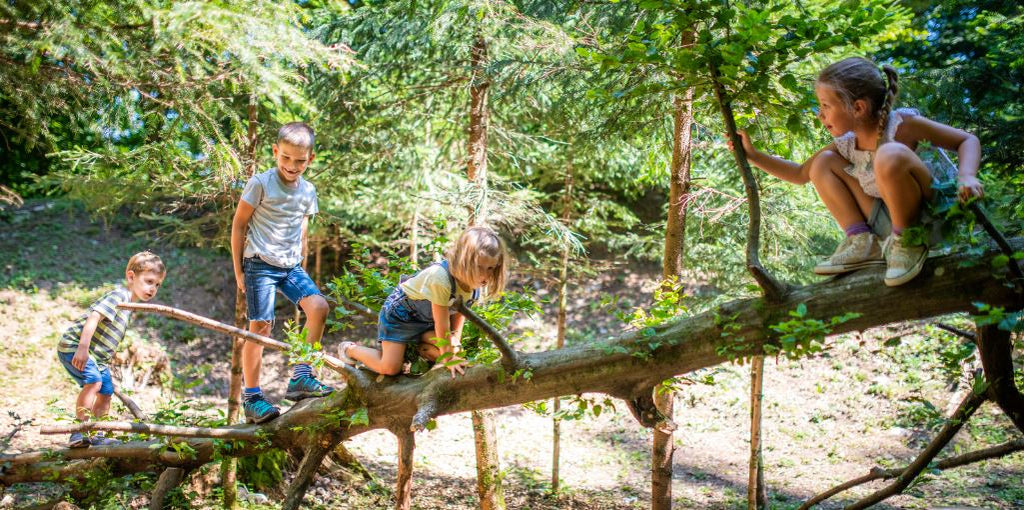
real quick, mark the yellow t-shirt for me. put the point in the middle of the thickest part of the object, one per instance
(433, 284)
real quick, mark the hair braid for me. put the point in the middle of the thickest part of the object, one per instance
(891, 90)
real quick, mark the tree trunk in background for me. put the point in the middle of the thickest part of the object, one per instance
(479, 121)
(488, 482)
(488, 477)
(671, 267)
(229, 464)
(757, 494)
(563, 287)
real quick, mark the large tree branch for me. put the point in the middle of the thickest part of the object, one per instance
(613, 366)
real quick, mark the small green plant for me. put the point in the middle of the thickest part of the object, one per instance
(299, 350)
(801, 337)
(262, 471)
(1006, 321)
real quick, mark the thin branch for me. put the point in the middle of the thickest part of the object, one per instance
(131, 405)
(359, 308)
(244, 432)
(956, 331)
(968, 406)
(1001, 241)
(877, 473)
(774, 290)
(333, 363)
(509, 357)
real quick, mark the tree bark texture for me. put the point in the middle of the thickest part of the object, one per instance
(489, 488)
(596, 366)
(757, 493)
(563, 301)
(169, 479)
(311, 461)
(403, 486)
(996, 351)
(229, 466)
(662, 447)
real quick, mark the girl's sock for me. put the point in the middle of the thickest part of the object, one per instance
(302, 370)
(857, 228)
(250, 393)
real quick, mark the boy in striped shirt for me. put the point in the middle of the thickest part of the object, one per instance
(89, 343)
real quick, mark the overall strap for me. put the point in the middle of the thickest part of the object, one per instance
(451, 280)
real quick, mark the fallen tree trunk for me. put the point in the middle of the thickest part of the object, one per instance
(622, 367)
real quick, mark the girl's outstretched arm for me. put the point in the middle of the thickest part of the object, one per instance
(789, 171)
(916, 128)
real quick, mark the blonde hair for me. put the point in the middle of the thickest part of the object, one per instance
(145, 261)
(464, 255)
(859, 78)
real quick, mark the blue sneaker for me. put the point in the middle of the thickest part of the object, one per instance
(306, 387)
(78, 441)
(258, 410)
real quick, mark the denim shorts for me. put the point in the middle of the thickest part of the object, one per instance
(262, 281)
(92, 373)
(400, 322)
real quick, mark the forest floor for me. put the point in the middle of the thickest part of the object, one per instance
(873, 399)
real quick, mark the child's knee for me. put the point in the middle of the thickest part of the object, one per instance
(261, 327)
(824, 165)
(315, 306)
(892, 159)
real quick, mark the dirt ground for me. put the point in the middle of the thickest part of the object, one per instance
(826, 420)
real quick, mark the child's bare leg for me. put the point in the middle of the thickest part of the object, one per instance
(316, 308)
(903, 181)
(427, 348)
(387, 361)
(102, 406)
(840, 191)
(252, 355)
(86, 401)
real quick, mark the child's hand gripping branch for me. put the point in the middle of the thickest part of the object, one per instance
(419, 313)
(870, 177)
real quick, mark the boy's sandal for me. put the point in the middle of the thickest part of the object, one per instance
(343, 355)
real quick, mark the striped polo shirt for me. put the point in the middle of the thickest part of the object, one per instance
(109, 331)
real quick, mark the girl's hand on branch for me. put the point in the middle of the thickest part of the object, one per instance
(453, 362)
(748, 147)
(970, 187)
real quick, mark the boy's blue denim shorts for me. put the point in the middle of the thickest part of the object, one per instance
(401, 322)
(92, 373)
(262, 281)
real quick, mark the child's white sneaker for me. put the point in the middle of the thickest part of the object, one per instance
(855, 252)
(902, 261)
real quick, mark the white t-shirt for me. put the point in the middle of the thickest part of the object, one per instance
(275, 230)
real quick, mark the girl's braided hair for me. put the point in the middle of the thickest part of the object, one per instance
(859, 78)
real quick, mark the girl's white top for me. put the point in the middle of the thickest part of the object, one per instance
(861, 165)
